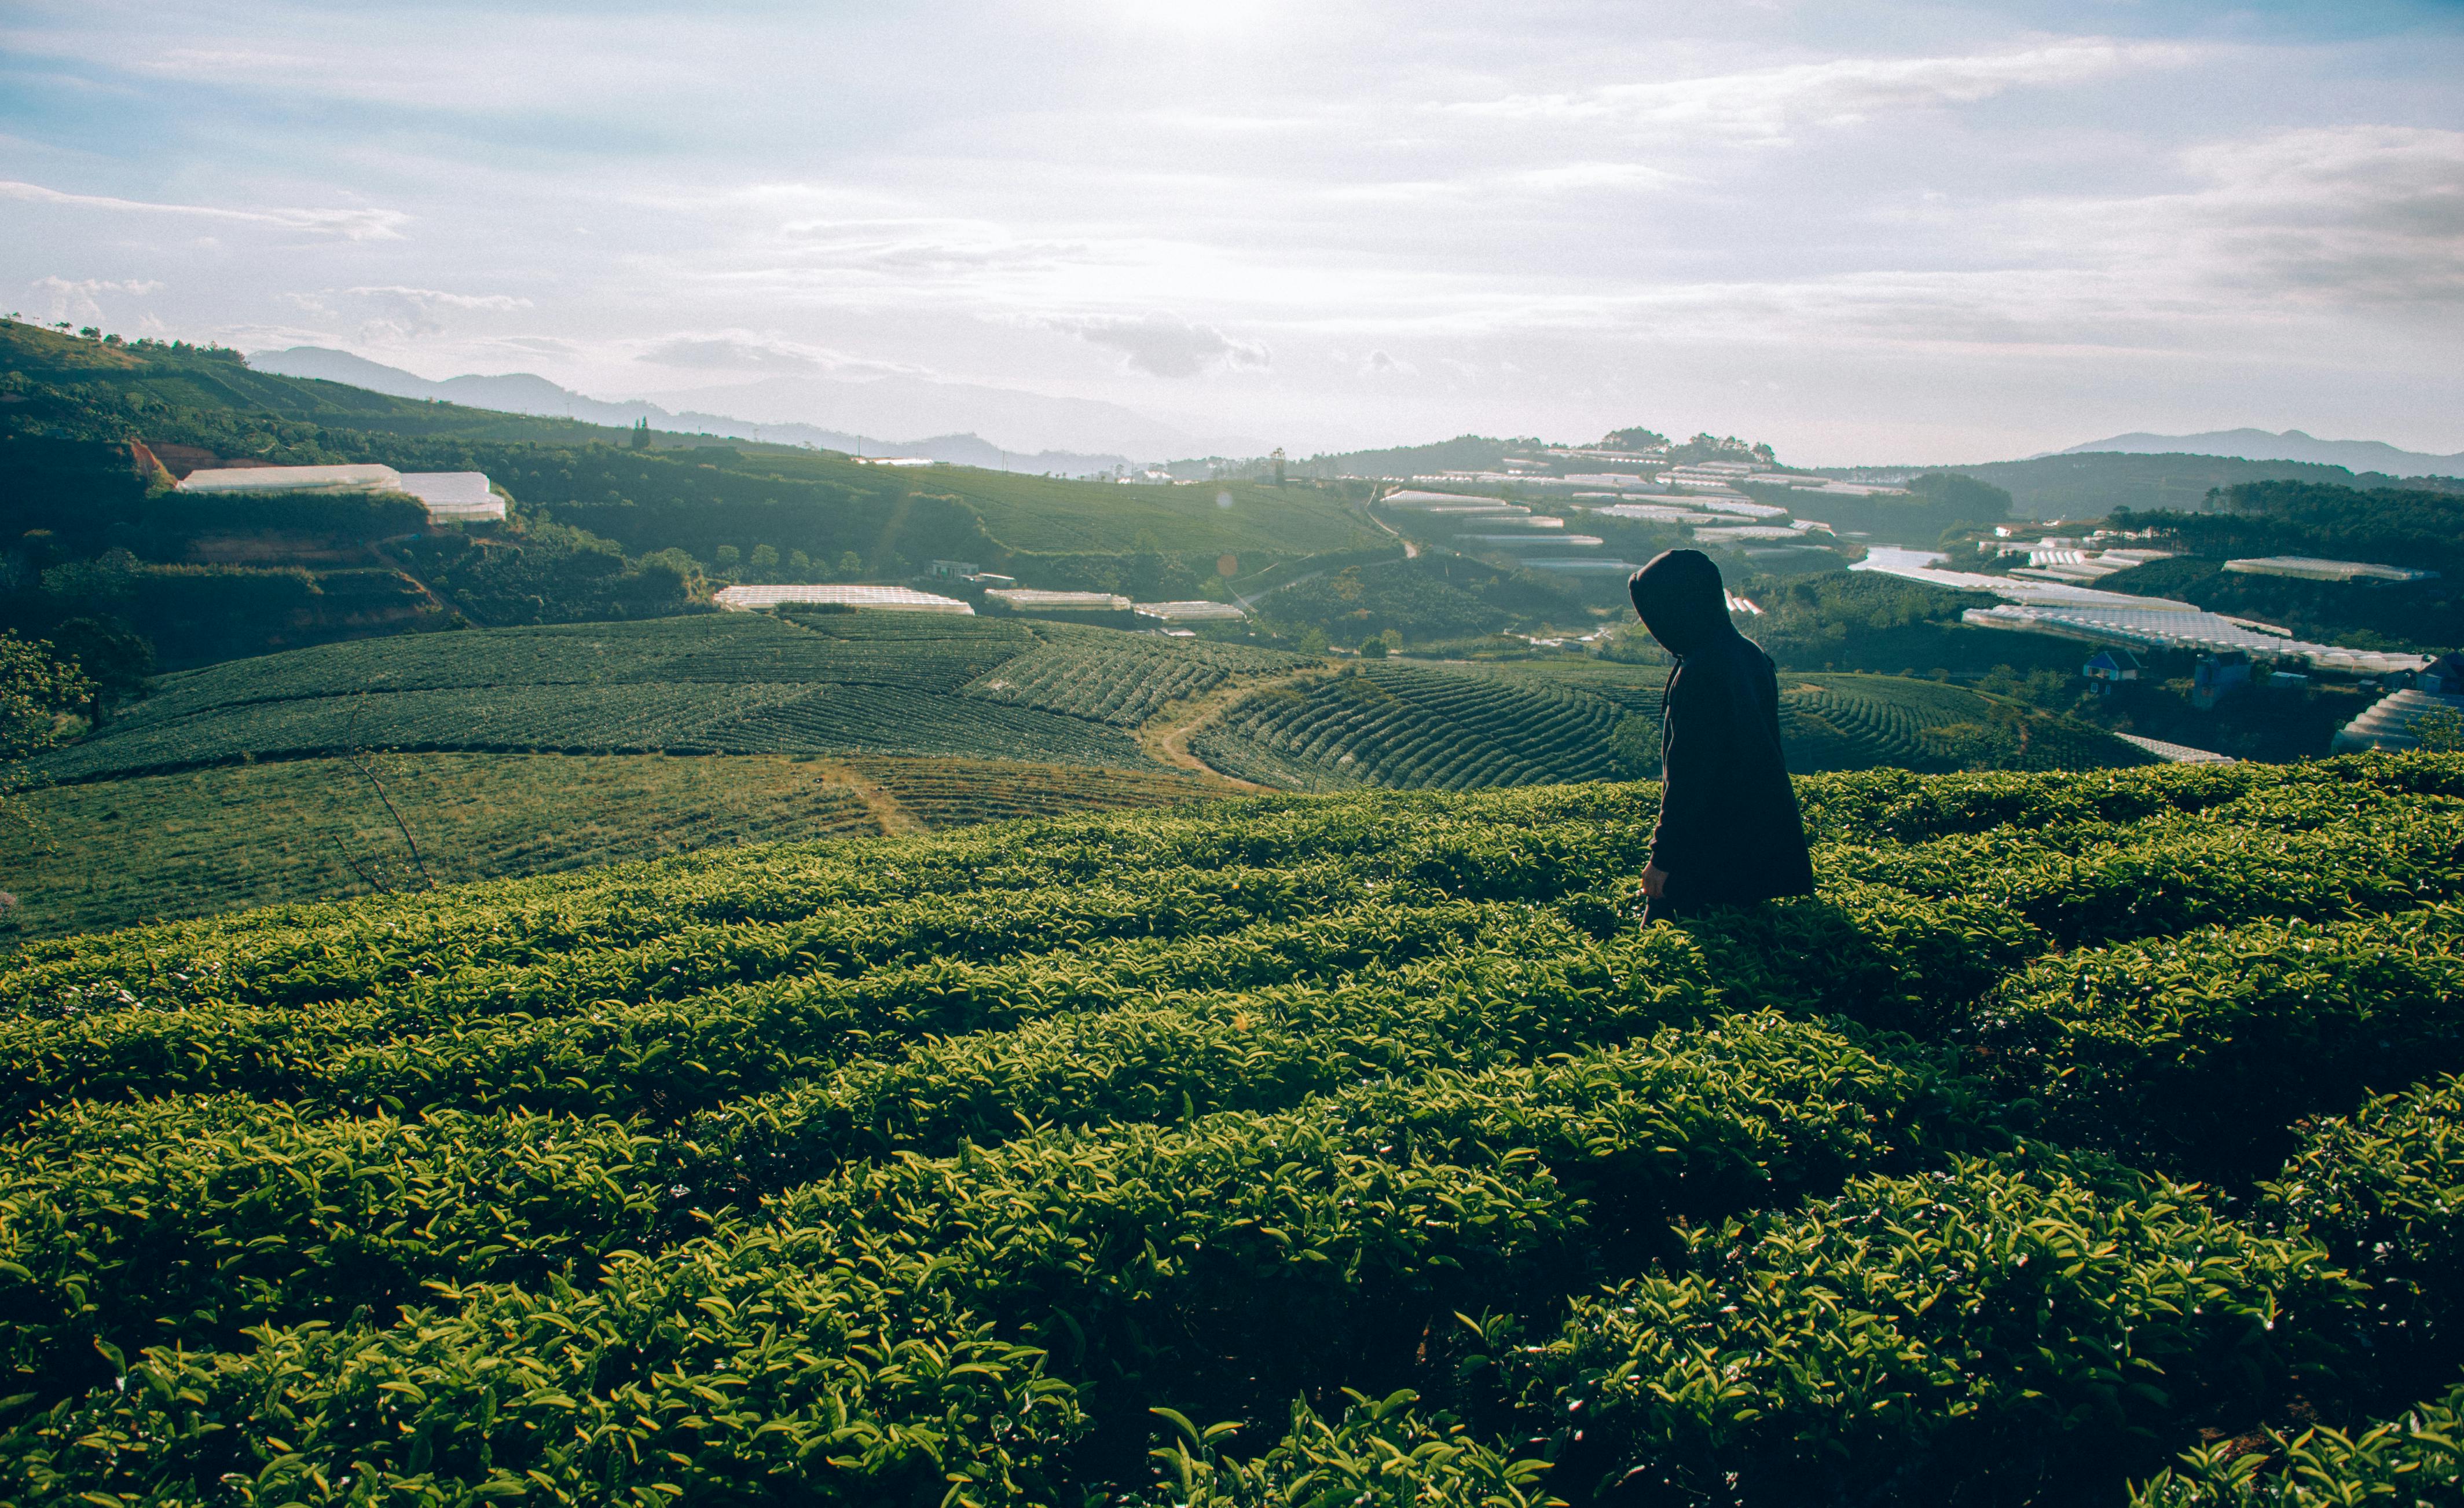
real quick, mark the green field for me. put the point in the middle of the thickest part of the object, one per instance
(1458, 727)
(737, 683)
(119, 852)
(152, 848)
(2083, 1126)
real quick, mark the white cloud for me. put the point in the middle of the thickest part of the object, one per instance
(400, 313)
(81, 300)
(1765, 106)
(730, 352)
(1380, 364)
(1165, 344)
(350, 225)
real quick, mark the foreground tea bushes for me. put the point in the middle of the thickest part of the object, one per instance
(235, 1212)
(974, 1168)
(2021, 1327)
(1220, 1261)
(405, 1050)
(2384, 1190)
(2201, 1052)
(2417, 1461)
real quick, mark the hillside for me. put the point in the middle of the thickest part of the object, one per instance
(974, 1165)
(607, 523)
(2091, 485)
(2292, 445)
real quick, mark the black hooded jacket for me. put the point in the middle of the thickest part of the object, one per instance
(1728, 824)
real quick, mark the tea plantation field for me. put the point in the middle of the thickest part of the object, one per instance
(733, 683)
(1447, 728)
(196, 842)
(2090, 1138)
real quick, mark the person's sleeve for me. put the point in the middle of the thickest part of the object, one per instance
(1690, 771)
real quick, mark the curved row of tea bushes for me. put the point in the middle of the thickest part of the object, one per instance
(1181, 1251)
(947, 1169)
(2020, 1328)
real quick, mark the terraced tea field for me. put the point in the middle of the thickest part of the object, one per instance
(199, 842)
(2091, 1138)
(1445, 727)
(897, 683)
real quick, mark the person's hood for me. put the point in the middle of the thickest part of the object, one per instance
(1680, 598)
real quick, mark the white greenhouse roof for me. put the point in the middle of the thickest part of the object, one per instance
(2176, 753)
(2194, 630)
(1578, 542)
(449, 496)
(1576, 566)
(2309, 568)
(1025, 598)
(1191, 612)
(294, 479)
(454, 495)
(902, 599)
(1748, 531)
(1656, 513)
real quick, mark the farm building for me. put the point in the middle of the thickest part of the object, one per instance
(2307, 569)
(892, 599)
(450, 496)
(2108, 668)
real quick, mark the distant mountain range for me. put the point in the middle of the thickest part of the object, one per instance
(2258, 444)
(853, 416)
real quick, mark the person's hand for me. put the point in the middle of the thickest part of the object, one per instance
(1654, 882)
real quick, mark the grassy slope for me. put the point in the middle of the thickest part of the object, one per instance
(201, 842)
(119, 853)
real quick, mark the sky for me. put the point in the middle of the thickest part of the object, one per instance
(1865, 233)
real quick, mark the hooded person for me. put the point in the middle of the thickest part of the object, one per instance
(1728, 831)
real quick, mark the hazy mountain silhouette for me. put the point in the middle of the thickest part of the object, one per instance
(852, 415)
(2258, 444)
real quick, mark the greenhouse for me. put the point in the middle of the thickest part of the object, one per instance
(896, 599)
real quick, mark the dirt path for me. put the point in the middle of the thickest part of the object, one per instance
(1165, 736)
(893, 819)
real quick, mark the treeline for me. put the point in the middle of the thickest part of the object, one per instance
(2404, 526)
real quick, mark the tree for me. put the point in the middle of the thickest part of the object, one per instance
(641, 437)
(39, 698)
(38, 693)
(1634, 439)
(115, 657)
(1633, 748)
